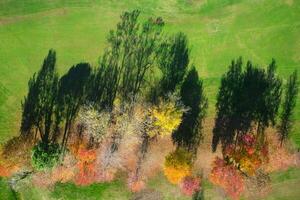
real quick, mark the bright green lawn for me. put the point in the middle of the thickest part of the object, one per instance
(218, 30)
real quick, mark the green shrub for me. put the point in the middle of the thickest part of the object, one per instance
(45, 155)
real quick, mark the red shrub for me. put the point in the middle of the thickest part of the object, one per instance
(227, 177)
(190, 185)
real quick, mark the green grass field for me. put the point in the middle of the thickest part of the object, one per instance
(218, 31)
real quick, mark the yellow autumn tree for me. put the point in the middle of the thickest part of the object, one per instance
(166, 117)
(178, 164)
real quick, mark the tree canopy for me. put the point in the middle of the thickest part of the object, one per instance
(246, 98)
(289, 103)
(39, 105)
(188, 133)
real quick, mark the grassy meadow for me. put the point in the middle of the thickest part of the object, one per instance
(218, 31)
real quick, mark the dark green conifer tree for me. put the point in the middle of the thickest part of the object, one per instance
(72, 94)
(173, 62)
(188, 134)
(246, 99)
(39, 105)
(227, 99)
(288, 106)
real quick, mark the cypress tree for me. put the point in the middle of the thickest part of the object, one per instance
(71, 95)
(246, 99)
(228, 97)
(188, 134)
(173, 62)
(29, 107)
(47, 81)
(39, 105)
(290, 97)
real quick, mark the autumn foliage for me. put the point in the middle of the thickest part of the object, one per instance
(178, 165)
(189, 185)
(166, 117)
(15, 154)
(280, 157)
(86, 166)
(4, 171)
(141, 111)
(247, 155)
(227, 177)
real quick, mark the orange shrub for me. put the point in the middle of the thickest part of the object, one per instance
(14, 154)
(178, 165)
(86, 166)
(4, 172)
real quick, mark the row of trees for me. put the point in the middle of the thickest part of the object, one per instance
(144, 89)
(249, 101)
(136, 53)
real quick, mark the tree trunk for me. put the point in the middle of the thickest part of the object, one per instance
(143, 151)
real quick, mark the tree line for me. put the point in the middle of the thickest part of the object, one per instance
(139, 62)
(249, 101)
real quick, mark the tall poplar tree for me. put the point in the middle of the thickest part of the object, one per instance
(173, 62)
(246, 100)
(39, 105)
(131, 54)
(188, 134)
(72, 94)
(288, 106)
